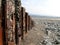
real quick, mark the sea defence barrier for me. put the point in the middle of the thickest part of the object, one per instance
(15, 22)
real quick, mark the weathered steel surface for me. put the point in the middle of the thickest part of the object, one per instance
(1, 31)
(31, 24)
(13, 22)
(10, 17)
(8, 21)
(3, 5)
(23, 11)
(22, 23)
(1, 37)
(17, 20)
(26, 22)
(23, 18)
(0, 14)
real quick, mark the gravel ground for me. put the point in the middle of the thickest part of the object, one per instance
(38, 33)
(34, 36)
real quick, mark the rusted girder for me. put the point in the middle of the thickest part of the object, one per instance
(3, 4)
(23, 22)
(1, 27)
(26, 28)
(28, 22)
(17, 20)
(14, 22)
(8, 22)
(31, 24)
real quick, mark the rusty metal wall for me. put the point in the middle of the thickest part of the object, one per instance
(8, 21)
(14, 21)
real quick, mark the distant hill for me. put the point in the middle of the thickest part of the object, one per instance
(40, 16)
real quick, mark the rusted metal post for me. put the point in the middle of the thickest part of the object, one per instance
(17, 17)
(26, 22)
(22, 31)
(8, 17)
(3, 4)
(23, 22)
(1, 27)
(30, 22)
(1, 31)
(23, 18)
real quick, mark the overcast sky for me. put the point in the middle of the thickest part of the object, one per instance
(42, 7)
